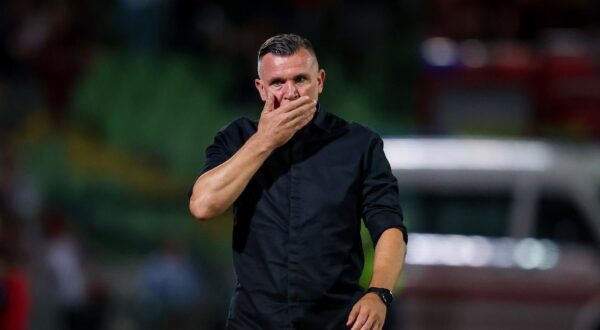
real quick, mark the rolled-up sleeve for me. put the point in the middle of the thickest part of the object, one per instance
(216, 154)
(380, 202)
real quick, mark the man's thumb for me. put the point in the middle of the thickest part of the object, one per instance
(269, 103)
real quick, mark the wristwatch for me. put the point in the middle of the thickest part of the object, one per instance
(383, 293)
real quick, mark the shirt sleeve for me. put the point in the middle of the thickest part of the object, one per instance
(380, 202)
(216, 154)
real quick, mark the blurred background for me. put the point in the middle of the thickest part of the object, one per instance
(490, 109)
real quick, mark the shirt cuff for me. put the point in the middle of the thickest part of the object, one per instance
(382, 220)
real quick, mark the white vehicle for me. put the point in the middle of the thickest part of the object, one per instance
(503, 234)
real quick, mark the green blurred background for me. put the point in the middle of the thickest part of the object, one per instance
(107, 107)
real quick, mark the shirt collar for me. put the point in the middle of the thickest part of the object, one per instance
(320, 119)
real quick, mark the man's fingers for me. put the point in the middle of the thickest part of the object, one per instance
(296, 103)
(369, 324)
(376, 326)
(353, 315)
(300, 120)
(304, 110)
(360, 320)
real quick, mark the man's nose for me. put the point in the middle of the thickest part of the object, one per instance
(291, 91)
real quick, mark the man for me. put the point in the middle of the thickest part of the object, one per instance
(299, 181)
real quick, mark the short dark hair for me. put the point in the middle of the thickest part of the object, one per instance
(285, 45)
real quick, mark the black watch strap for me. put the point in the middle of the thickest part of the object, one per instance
(383, 293)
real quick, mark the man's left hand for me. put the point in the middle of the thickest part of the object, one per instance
(368, 313)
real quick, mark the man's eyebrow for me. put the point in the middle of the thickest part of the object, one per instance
(281, 79)
(275, 79)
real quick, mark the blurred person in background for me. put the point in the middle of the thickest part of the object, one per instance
(299, 180)
(171, 287)
(15, 295)
(81, 301)
(19, 191)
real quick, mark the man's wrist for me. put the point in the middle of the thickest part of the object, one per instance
(261, 143)
(384, 294)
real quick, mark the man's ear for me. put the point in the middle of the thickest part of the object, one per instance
(321, 80)
(261, 89)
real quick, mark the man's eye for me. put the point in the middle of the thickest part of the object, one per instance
(276, 84)
(301, 79)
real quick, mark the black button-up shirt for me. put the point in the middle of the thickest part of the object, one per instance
(296, 236)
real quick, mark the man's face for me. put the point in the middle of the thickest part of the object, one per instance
(289, 77)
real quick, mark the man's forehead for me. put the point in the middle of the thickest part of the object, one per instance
(301, 60)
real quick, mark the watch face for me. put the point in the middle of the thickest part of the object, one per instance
(384, 294)
(387, 297)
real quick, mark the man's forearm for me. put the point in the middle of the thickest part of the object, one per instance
(217, 189)
(369, 312)
(389, 259)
